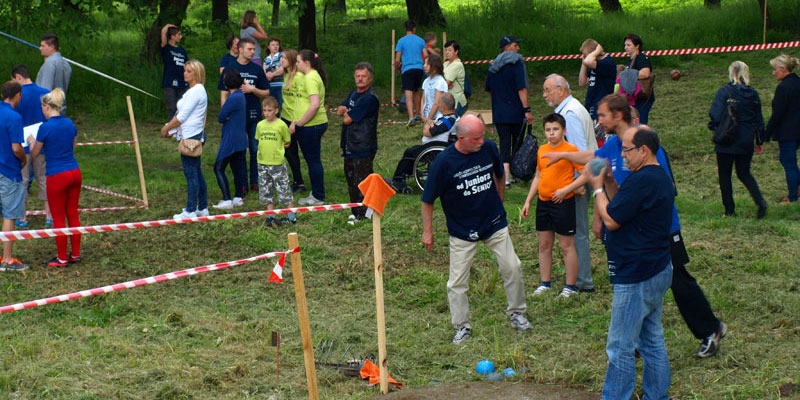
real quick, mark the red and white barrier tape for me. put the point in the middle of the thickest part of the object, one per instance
(108, 192)
(11, 236)
(138, 282)
(672, 52)
(92, 209)
(128, 142)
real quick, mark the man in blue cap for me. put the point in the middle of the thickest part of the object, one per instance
(507, 84)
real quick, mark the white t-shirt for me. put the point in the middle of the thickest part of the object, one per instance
(192, 111)
(429, 88)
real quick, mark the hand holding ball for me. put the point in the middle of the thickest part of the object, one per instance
(675, 74)
(596, 165)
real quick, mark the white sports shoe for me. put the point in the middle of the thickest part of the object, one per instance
(224, 205)
(310, 201)
(184, 215)
(540, 290)
(202, 213)
(238, 202)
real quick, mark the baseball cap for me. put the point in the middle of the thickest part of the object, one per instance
(507, 40)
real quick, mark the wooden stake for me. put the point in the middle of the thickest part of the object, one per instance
(276, 341)
(138, 152)
(444, 40)
(378, 254)
(393, 67)
(302, 316)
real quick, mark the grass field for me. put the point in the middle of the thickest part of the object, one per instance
(208, 336)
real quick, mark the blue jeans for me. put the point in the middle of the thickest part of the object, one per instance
(239, 168)
(196, 191)
(788, 159)
(310, 140)
(253, 146)
(636, 325)
(644, 109)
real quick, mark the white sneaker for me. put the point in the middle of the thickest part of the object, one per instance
(351, 219)
(310, 201)
(238, 202)
(540, 290)
(202, 213)
(184, 215)
(567, 293)
(224, 205)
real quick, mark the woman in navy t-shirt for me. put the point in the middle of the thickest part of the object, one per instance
(56, 141)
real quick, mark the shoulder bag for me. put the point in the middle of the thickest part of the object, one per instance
(728, 127)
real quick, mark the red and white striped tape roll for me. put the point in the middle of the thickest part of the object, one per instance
(669, 52)
(138, 282)
(128, 142)
(11, 236)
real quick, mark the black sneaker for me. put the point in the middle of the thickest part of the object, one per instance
(710, 345)
(299, 188)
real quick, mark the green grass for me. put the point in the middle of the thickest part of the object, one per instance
(208, 336)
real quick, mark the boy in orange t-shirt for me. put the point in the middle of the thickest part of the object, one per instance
(554, 214)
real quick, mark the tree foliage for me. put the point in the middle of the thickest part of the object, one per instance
(171, 12)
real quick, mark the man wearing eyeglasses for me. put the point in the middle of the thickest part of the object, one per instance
(638, 216)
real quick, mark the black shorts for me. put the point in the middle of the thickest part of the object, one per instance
(678, 250)
(559, 217)
(412, 80)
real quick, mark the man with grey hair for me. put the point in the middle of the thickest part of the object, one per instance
(468, 178)
(359, 140)
(580, 132)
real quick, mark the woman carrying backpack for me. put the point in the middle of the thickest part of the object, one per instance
(747, 110)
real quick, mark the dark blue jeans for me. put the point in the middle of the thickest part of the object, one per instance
(310, 140)
(239, 168)
(196, 190)
(643, 108)
(788, 159)
(253, 146)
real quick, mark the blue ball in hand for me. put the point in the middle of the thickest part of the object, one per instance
(597, 165)
(484, 367)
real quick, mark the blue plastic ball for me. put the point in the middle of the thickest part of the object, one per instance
(509, 372)
(494, 377)
(484, 367)
(597, 165)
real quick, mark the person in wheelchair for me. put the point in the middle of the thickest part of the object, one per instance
(434, 133)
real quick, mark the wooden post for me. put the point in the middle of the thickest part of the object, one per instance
(764, 38)
(393, 67)
(444, 40)
(138, 152)
(302, 316)
(378, 256)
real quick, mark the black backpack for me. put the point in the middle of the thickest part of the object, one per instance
(523, 164)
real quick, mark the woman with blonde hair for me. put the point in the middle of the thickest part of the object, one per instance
(56, 142)
(291, 93)
(747, 106)
(189, 123)
(784, 125)
(250, 28)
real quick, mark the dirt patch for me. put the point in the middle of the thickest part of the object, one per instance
(490, 390)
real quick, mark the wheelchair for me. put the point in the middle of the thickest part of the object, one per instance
(423, 161)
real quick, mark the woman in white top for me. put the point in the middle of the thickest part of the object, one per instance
(433, 86)
(189, 123)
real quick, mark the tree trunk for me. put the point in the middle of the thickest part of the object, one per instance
(276, 8)
(764, 13)
(339, 6)
(307, 26)
(426, 12)
(171, 12)
(711, 3)
(610, 6)
(219, 11)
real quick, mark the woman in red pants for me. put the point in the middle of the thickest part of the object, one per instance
(56, 140)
